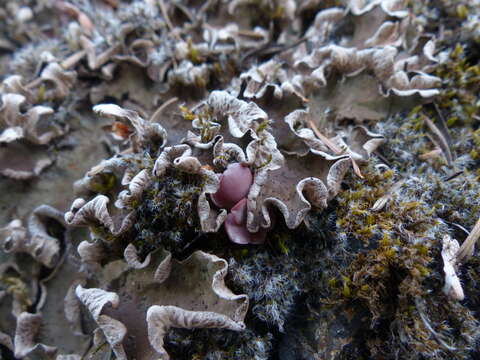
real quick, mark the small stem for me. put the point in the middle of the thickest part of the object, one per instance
(443, 141)
(468, 246)
(324, 139)
(72, 60)
(162, 107)
(251, 34)
(356, 168)
(332, 146)
(164, 12)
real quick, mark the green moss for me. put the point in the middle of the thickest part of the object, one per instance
(41, 94)
(193, 54)
(102, 233)
(395, 278)
(460, 85)
(187, 114)
(17, 288)
(354, 211)
(462, 11)
(104, 182)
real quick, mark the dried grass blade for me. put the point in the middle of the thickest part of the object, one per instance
(330, 144)
(468, 247)
(443, 143)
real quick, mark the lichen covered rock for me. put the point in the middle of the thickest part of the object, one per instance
(327, 151)
(164, 294)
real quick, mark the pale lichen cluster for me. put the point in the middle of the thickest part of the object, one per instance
(303, 173)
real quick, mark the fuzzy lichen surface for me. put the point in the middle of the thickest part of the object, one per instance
(167, 215)
(394, 277)
(214, 344)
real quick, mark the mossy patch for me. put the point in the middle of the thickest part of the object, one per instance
(167, 215)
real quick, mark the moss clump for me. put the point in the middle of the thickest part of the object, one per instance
(167, 215)
(216, 344)
(355, 217)
(17, 288)
(460, 86)
(193, 53)
(449, 192)
(104, 183)
(394, 279)
(278, 275)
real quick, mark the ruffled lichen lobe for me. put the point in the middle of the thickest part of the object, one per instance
(280, 179)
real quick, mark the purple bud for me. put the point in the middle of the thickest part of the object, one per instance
(235, 226)
(235, 184)
(239, 212)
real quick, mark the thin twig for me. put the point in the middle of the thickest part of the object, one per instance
(468, 247)
(330, 144)
(356, 168)
(262, 50)
(34, 83)
(431, 154)
(429, 327)
(382, 157)
(382, 201)
(443, 141)
(301, 96)
(187, 12)
(72, 60)
(290, 46)
(162, 107)
(163, 9)
(458, 226)
(443, 123)
(454, 175)
(250, 34)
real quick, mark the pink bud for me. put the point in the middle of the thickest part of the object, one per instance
(235, 226)
(235, 184)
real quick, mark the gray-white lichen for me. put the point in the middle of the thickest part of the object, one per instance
(337, 141)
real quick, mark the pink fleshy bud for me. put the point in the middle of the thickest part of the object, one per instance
(235, 184)
(235, 226)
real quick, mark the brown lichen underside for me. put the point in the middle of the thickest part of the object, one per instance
(355, 98)
(281, 185)
(188, 286)
(132, 313)
(20, 158)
